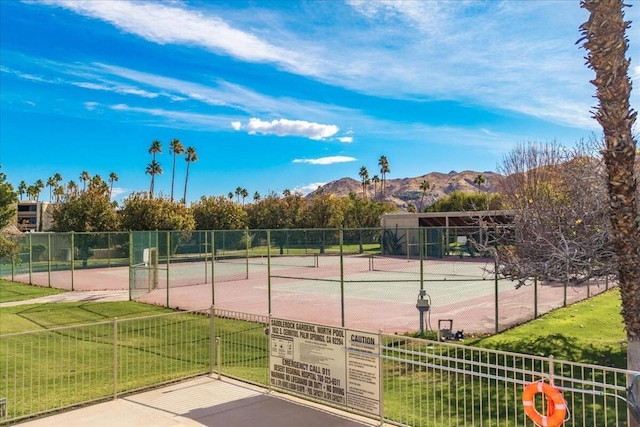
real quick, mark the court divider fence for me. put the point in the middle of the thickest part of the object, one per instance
(391, 268)
(394, 379)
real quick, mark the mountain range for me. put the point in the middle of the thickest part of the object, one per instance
(405, 191)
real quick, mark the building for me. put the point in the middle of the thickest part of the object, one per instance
(34, 216)
(443, 233)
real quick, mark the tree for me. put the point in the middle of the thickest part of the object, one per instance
(176, 149)
(364, 176)
(8, 199)
(9, 247)
(384, 170)
(142, 213)
(461, 201)
(59, 192)
(51, 183)
(88, 211)
(190, 156)
(244, 194)
(604, 36)
(218, 213)
(72, 187)
(230, 195)
(479, 180)
(376, 180)
(155, 148)
(424, 186)
(256, 197)
(113, 177)
(154, 168)
(22, 188)
(238, 192)
(85, 178)
(38, 187)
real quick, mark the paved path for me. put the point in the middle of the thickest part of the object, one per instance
(87, 296)
(204, 401)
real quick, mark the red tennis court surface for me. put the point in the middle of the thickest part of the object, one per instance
(462, 294)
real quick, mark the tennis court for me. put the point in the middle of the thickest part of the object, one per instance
(364, 292)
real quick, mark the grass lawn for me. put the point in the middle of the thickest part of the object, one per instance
(589, 331)
(12, 291)
(30, 317)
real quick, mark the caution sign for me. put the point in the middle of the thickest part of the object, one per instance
(363, 372)
(312, 360)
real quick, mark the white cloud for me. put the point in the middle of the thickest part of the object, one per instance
(118, 191)
(90, 106)
(236, 125)
(125, 90)
(166, 24)
(326, 160)
(284, 127)
(346, 139)
(309, 188)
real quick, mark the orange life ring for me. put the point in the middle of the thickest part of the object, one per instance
(556, 408)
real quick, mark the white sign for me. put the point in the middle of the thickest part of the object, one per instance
(312, 360)
(363, 372)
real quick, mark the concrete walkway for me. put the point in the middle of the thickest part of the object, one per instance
(204, 401)
(86, 296)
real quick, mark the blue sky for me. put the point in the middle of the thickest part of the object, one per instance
(280, 95)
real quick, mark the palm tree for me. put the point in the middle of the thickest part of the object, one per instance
(58, 192)
(606, 43)
(72, 187)
(230, 195)
(31, 192)
(57, 177)
(22, 188)
(113, 177)
(479, 180)
(384, 170)
(155, 148)
(424, 186)
(176, 148)
(256, 197)
(153, 169)
(238, 191)
(286, 192)
(364, 175)
(376, 180)
(39, 186)
(244, 194)
(190, 156)
(85, 178)
(51, 183)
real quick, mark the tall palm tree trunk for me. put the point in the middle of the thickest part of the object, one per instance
(605, 40)
(186, 181)
(173, 174)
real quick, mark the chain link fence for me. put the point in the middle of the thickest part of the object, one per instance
(397, 280)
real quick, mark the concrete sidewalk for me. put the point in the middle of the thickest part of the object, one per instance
(204, 401)
(73, 296)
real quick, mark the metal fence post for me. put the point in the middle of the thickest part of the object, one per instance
(115, 358)
(535, 297)
(212, 314)
(269, 271)
(342, 275)
(31, 259)
(206, 254)
(219, 356)
(73, 257)
(168, 262)
(131, 268)
(380, 379)
(49, 258)
(495, 281)
(213, 268)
